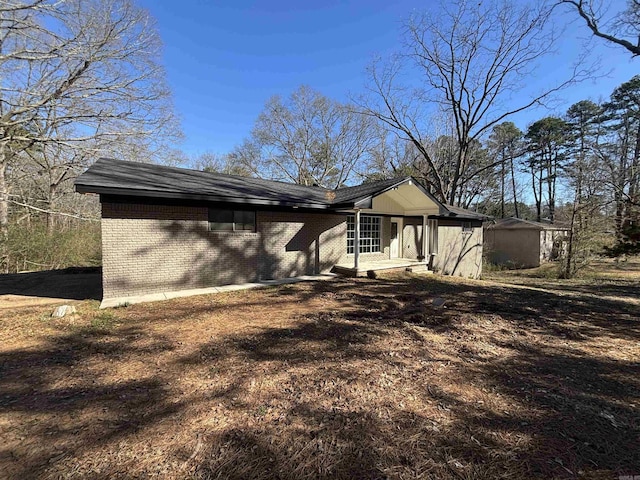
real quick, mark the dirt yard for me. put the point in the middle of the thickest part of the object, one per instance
(513, 377)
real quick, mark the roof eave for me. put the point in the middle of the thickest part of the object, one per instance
(129, 192)
(365, 202)
(456, 217)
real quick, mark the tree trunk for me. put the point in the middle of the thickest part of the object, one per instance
(460, 164)
(569, 271)
(552, 201)
(580, 173)
(634, 174)
(539, 198)
(51, 220)
(4, 211)
(513, 185)
(579, 195)
(551, 187)
(619, 218)
(621, 180)
(502, 181)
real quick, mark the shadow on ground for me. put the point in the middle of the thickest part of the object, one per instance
(343, 379)
(71, 284)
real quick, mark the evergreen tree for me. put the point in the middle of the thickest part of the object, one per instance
(505, 144)
(547, 139)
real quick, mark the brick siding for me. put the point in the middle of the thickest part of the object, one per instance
(459, 254)
(412, 238)
(293, 244)
(155, 248)
(159, 248)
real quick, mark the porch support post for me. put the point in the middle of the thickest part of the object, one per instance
(425, 238)
(356, 241)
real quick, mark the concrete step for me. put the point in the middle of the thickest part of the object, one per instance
(372, 269)
(421, 268)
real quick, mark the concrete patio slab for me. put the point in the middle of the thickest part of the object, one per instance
(364, 268)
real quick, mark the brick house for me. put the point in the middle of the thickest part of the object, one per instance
(170, 229)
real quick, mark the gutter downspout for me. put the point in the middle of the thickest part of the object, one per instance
(433, 241)
(425, 237)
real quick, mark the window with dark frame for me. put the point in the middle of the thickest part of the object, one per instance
(370, 234)
(222, 220)
(467, 227)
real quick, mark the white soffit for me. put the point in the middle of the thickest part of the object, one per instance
(404, 200)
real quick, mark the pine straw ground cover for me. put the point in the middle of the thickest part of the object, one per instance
(338, 379)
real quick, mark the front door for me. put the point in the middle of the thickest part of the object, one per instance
(394, 240)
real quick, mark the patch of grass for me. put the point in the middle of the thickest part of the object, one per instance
(104, 320)
(488, 267)
(550, 271)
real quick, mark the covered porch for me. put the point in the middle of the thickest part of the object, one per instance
(367, 267)
(392, 228)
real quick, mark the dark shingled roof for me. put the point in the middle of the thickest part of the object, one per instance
(464, 213)
(117, 177)
(143, 179)
(512, 223)
(350, 194)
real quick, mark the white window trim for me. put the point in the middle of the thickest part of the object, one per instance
(380, 223)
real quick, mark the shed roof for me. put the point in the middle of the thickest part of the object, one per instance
(513, 223)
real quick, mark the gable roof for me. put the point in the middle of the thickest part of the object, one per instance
(118, 177)
(359, 192)
(513, 223)
(361, 196)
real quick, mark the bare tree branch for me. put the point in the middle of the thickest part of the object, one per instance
(471, 58)
(629, 19)
(307, 139)
(63, 214)
(78, 79)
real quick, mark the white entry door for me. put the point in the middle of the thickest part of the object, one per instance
(395, 239)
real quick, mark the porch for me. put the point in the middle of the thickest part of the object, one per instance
(364, 268)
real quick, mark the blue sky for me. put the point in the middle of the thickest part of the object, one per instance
(224, 59)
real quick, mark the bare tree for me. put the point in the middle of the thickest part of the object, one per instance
(624, 24)
(307, 139)
(390, 156)
(78, 79)
(218, 163)
(619, 153)
(472, 59)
